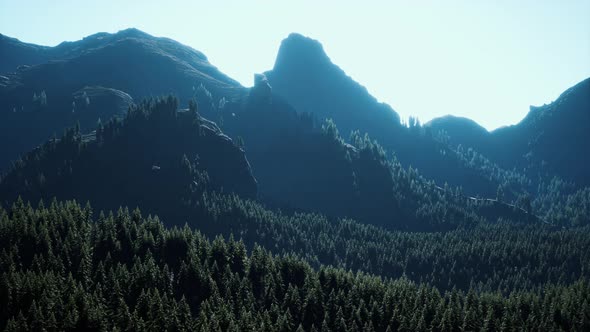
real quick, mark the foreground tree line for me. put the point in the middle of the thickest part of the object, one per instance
(61, 268)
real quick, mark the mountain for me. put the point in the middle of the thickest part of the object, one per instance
(305, 77)
(165, 159)
(304, 74)
(14, 53)
(550, 141)
(156, 157)
(43, 99)
(194, 63)
(243, 212)
(460, 130)
(300, 162)
(41, 92)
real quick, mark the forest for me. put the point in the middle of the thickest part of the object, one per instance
(421, 257)
(63, 268)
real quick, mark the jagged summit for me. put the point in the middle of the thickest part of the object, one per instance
(300, 50)
(304, 74)
(14, 53)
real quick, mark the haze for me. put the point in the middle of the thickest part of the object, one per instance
(484, 60)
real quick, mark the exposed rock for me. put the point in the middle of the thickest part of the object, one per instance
(261, 91)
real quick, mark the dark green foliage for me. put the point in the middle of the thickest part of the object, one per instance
(137, 284)
(156, 158)
(489, 257)
(422, 256)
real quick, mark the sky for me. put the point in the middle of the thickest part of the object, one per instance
(485, 60)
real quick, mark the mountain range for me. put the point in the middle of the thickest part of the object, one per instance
(550, 140)
(169, 197)
(281, 120)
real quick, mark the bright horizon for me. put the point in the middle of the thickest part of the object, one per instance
(487, 61)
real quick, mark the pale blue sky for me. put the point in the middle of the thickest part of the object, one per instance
(486, 60)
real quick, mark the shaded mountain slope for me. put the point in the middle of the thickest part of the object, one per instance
(552, 140)
(164, 160)
(307, 165)
(305, 76)
(156, 158)
(14, 53)
(130, 61)
(460, 130)
(21, 131)
(300, 160)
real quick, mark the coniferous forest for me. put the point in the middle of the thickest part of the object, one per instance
(63, 268)
(175, 199)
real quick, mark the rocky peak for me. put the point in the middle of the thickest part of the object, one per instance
(298, 50)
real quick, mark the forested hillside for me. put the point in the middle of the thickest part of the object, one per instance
(61, 270)
(47, 92)
(165, 159)
(155, 157)
(550, 141)
(300, 204)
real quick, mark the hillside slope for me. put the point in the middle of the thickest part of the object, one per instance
(552, 140)
(156, 158)
(43, 95)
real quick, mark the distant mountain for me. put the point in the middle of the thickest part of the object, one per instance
(395, 176)
(306, 77)
(168, 161)
(14, 53)
(187, 62)
(43, 97)
(460, 130)
(45, 84)
(552, 140)
(304, 164)
(304, 74)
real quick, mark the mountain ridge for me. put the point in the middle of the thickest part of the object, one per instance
(303, 76)
(130, 61)
(553, 134)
